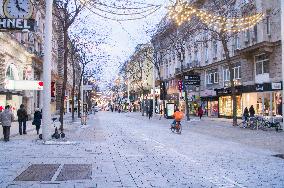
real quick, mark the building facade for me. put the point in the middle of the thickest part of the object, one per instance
(21, 58)
(256, 57)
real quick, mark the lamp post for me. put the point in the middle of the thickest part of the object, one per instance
(46, 114)
(282, 44)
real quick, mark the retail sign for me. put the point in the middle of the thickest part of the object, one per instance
(192, 80)
(17, 24)
(26, 85)
(259, 87)
(276, 86)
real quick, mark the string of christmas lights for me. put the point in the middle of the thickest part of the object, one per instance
(182, 12)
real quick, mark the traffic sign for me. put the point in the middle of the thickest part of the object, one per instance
(88, 87)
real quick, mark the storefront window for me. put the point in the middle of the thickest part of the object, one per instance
(213, 108)
(226, 106)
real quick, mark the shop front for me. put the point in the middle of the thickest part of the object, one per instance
(210, 106)
(265, 98)
(225, 102)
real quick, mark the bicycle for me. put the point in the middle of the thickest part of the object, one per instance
(266, 124)
(176, 128)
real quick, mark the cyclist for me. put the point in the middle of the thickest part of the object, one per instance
(178, 116)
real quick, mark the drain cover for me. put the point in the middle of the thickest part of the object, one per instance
(38, 172)
(75, 172)
(279, 155)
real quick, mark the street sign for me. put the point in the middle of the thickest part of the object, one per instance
(88, 87)
(192, 80)
(27, 85)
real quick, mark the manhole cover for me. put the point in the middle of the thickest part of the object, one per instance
(38, 172)
(75, 172)
(279, 156)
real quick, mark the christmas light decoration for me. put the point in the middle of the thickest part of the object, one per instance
(182, 12)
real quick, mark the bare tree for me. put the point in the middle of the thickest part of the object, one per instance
(66, 13)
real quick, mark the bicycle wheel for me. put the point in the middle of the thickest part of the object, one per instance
(179, 129)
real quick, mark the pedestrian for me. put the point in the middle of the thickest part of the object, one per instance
(246, 114)
(150, 112)
(251, 111)
(161, 114)
(22, 119)
(6, 118)
(200, 112)
(37, 120)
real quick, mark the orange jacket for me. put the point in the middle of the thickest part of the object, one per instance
(178, 116)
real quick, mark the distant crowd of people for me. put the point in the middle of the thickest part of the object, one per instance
(7, 117)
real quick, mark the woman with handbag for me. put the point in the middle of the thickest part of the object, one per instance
(37, 120)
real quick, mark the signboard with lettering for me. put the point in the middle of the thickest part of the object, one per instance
(27, 85)
(276, 86)
(17, 24)
(192, 80)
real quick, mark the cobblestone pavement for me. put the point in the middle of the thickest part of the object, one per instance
(127, 150)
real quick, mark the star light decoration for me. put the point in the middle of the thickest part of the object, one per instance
(182, 12)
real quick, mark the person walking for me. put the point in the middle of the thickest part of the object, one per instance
(200, 112)
(150, 112)
(246, 114)
(22, 119)
(6, 118)
(37, 120)
(251, 111)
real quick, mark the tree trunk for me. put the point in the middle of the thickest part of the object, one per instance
(73, 87)
(233, 89)
(79, 102)
(65, 63)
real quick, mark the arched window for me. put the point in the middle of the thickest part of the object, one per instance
(10, 73)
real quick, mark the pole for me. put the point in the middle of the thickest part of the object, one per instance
(154, 91)
(82, 97)
(46, 120)
(282, 44)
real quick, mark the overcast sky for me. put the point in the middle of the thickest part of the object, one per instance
(123, 37)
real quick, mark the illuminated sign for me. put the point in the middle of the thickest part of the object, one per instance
(23, 85)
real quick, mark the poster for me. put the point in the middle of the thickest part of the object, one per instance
(170, 109)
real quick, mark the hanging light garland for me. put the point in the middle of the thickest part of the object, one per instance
(183, 12)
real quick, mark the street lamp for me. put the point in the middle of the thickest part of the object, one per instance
(46, 114)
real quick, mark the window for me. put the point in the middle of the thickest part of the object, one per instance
(226, 75)
(216, 77)
(261, 64)
(9, 73)
(237, 42)
(255, 33)
(206, 54)
(212, 78)
(268, 26)
(215, 49)
(237, 72)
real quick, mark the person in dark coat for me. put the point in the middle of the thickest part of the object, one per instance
(251, 111)
(22, 119)
(150, 112)
(246, 114)
(37, 120)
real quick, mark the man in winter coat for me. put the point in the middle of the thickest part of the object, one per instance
(251, 111)
(6, 118)
(22, 119)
